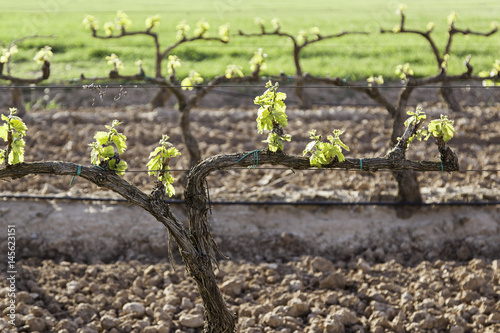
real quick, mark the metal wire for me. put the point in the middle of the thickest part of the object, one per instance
(281, 168)
(149, 86)
(262, 203)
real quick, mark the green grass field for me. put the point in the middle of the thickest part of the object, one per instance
(76, 52)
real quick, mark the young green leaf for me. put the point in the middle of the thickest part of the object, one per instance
(233, 70)
(103, 148)
(271, 116)
(192, 80)
(122, 20)
(152, 22)
(43, 55)
(182, 29)
(158, 163)
(258, 60)
(13, 132)
(224, 32)
(441, 128)
(202, 28)
(115, 61)
(323, 153)
(90, 22)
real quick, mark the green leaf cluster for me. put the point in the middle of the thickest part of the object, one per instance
(323, 153)
(224, 32)
(202, 27)
(194, 78)
(378, 80)
(441, 128)
(173, 63)
(403, 71)
(107, 146)
(303, 35)
(272, 117)
(438, 128)
(152, 21)
(258, 60)
(275, 141)
(158, 163)
(13, 132)
(233, 70)
(115, 62)
(7, 53)
(492, 73)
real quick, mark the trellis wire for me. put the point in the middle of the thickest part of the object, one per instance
(263, 203)
(284, 168)
(326, 86)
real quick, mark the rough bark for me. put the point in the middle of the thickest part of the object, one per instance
(160, 98)
(449, 98)
(17, 101)
(304, 99)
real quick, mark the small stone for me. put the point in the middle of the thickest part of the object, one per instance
(457, 329)
(495, 264)
(191, 320)
(150, 270)
(25, 297)
(406, 297)
(108, 322)
(297, 307)
(296, 285)
(36, 311)
(85, 311)
(333, 325)
(333, 281)
(186, 304)
(163, 328)
(35, 324)
(66, 324)
(363, 265)
(232, 287)
(494, 318)
(273, 320)
(346, 316)
(472, 282)
(320, 264)
(150, 329)
(135, 308)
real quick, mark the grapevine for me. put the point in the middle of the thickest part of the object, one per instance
(323, 153)
(272, 117)
(103, 148)
(13, 132)
(438, 128)
(158, 163)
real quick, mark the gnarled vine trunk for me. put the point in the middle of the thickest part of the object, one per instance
(408, 185)
(448, 96)
(160, 98)
(17, 101)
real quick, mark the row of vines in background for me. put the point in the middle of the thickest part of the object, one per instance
(170, 85)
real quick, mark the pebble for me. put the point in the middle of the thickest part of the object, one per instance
(310, 294)
(191, 320)
(135, 308)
